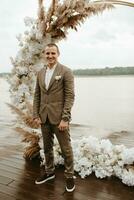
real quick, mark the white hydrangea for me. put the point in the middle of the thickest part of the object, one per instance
(128, 177)
(19, 37)
(38, 35)
(15, 81)
(26, 32)
(101, 157)
(35, 48)
(29, 21)
(128, 156)
(23, 89)
(22, 70)
(106, 146)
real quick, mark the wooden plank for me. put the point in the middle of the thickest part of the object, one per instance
(51, 190)
(34, 165)
(7, 172)
(19, 194)
(12, 164)
(90, 188)
(10, 169)
(15, 176)
(20, 157)
(7, 190)
(6, 197)
(15, 160)
(5, 180)
(28, 170)
(9, 175)
(105, 188)
(8, 151)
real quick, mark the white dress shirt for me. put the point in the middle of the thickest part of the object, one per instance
(49, 74)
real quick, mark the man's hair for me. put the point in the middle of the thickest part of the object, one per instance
(53, 45)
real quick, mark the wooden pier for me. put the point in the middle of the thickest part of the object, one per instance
(17, 177)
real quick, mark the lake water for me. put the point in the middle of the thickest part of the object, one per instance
(106, 104)
(103, 105)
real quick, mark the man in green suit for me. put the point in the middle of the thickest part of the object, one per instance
(53, 100)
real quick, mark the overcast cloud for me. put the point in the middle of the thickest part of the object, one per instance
(104, 40)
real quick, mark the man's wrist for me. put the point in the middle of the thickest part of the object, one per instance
(65, 119)
(35, 118)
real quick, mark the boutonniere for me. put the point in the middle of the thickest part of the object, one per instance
(57, 78)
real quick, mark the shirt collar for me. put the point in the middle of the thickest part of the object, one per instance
(52, 69)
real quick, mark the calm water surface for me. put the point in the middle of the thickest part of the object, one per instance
(105, 103)
(102, 104)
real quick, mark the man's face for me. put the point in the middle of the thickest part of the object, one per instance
(51, 55)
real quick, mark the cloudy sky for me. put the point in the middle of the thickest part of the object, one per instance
(104, 40)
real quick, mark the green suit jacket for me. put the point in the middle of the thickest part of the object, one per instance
(56, 101)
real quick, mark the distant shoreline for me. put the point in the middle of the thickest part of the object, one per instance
(110, 75)
(115, 71)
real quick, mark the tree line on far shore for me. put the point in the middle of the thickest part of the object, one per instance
(96, 72)
(104, 71)
(4, 74)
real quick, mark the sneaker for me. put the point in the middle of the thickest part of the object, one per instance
(70, 186)
(44, 178)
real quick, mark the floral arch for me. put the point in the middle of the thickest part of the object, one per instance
(52, 25)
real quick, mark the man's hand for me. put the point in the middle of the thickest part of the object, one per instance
(63, 125)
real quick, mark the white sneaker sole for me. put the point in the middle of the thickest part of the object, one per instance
(70, 190)
(49, 178)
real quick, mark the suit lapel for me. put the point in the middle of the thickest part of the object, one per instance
(43, 74)
(55, 73)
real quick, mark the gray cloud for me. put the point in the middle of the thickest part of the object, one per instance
(103, 40)
(104, 35)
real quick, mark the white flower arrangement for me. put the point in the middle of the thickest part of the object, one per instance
(57, 78)
(101, 157)
(29, 21)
